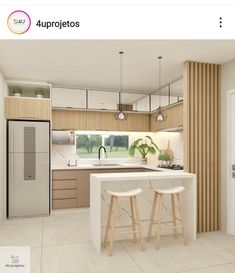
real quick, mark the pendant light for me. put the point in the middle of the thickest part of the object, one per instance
(160, 116)
(120, 115)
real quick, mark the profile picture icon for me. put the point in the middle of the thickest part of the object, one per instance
(19, 22)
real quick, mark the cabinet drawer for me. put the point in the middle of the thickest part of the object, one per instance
(64, 203)
(64, 175)
(64, 194)
(64, 184)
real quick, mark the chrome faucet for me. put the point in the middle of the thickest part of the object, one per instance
(99, 151)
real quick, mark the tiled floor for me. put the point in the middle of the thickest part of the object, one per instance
(60, 244)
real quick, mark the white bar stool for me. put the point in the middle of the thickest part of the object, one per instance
(135, 216)
(160, 193)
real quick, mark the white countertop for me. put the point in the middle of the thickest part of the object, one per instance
(165, 174)
(120, 166)
(93, 166)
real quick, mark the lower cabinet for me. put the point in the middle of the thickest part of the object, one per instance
(64, 189)
(84, 187)
(71, 188)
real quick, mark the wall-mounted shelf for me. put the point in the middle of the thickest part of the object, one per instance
(28, 89)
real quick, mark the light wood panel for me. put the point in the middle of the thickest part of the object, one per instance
(174, 115)
(64, 175)
(177, 115)
(135, 123)
(202, 138)
(64, 184)
(101, 121)
(69, 120)
(64, 203)
(26, 108)
(64, 194)
(98, 121)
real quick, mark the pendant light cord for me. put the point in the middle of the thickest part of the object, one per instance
(159, 78)
(121, 53)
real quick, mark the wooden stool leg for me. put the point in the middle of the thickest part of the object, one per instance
(159, 222)
(152, 219)
(108, 221)
(133, 219)
(182, 218)
(173, 213)
(138, 223)
(113, 218)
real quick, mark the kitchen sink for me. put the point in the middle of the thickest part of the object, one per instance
(107, 164)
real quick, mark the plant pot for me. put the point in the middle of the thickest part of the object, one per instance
(39, 96)
(144, 160)
(17, 94)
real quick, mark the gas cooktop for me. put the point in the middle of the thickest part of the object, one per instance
(171, 167)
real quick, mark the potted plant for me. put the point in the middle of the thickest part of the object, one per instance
(39, 92)
(164, 157)
(144, 146)
(17, 91)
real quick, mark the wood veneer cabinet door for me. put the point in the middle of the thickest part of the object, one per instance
(157, 126)
(83, 191)
(69, 119)
(26, 108)
(135, 122)
(154, 125)
(101, 121)
(177, 115)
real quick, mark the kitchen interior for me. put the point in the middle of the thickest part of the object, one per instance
(100, 135)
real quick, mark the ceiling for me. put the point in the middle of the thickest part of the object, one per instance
(95, 64)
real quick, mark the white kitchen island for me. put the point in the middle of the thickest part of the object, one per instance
(99, 200)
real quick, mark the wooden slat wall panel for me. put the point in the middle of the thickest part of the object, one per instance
(202, 138)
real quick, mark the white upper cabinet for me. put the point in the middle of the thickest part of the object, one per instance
(68, 98)
(102, 100)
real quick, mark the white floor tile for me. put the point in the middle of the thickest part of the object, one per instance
(66, 232)
(82, 258)
(220, 243)
(81, 214)
(35, 261)
(173, 256)
(23, 221)
(227, 268)
(65, 237)
(21, 235)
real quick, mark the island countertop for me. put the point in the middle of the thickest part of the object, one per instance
(156, 174)
(101, 183)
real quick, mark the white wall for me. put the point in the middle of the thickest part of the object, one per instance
(2, 149)
(227, 84)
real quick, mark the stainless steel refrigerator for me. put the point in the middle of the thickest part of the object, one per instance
(28, 168)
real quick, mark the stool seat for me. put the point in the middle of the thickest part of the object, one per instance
(174, 190)
(129, 193)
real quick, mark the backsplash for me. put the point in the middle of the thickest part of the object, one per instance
(62, 153)
(175, 140)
